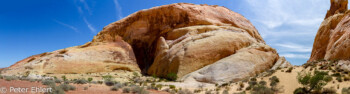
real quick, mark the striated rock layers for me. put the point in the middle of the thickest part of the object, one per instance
(332, 41)
(88, 58)
(207, 43)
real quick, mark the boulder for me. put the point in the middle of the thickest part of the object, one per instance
(281, 63)
(246, 62)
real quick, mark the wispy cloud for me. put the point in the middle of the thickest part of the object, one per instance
(67, 25)
(86, 6)
(92, 29)
(82, 6)
(118, 9)
(296, 56)
(292, 47)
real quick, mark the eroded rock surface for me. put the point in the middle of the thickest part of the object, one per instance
(332, 39)
(88, 58)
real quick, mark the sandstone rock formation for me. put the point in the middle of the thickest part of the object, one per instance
(88, 58)
(337, 6)
(332, 39)
(143, 28)
(281, 63)
(207, 43)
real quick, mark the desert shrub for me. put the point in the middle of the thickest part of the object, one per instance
(64, 78)
(300, 90)
(346, 78)
(261, 89)
(48, 82)
(329, 91)
(1, 77)
(225, 92)
(10, 78)
(32, 80)
(58, 81)
(208, 92)
(328, 78)
(252, 83)
(67, 87)
(262, 82)
(107, 77)
(274, 81)
(172, 76)
(312, 82)
(90, 79)
(80, 81)
(345, 90)
(289, 70)
(86, 88)
(100, 82)
(126, 90)
(114, 88)
(159, 86)
(172, 87)
(109, 83)
(339, 79)
(336, 74)
(185, 91)
(56, 90)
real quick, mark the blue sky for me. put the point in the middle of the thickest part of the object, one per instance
(29, 27)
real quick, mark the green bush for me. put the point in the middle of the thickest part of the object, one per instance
(64, 78)
(172, 76)
(312, 82)
(339, 79)
(300, 90)
(56, 90)
(90, 79)
(289, 70)
(159, 86)
(225, 92)
(328, 78)
(172, 87)
(107, 77)
(262, 83)
(274, 81)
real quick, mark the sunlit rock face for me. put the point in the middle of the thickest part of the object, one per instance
(332, 39)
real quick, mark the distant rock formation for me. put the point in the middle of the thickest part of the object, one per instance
(207, 43)
(332, 39)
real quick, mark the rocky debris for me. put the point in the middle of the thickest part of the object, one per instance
(281, 63)
(88, 58)
(344, 65)
(332, 39)
(337, 6)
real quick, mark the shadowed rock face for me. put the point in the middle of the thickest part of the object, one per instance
(332, 39)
